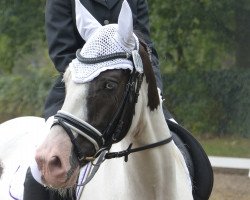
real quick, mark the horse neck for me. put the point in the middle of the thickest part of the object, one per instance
(148, 125)
(162, 169)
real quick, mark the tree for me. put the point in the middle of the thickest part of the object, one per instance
(21, 27)
(201, 33)
(242, 32)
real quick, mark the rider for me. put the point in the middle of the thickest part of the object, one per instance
(63, 41)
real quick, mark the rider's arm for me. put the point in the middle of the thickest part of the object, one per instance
(62, 36)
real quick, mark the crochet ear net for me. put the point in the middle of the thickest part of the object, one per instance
(87, 24)
(125, 26)
(102, 41)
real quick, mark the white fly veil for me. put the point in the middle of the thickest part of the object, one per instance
(102, 41)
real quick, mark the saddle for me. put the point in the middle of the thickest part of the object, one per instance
(199, 166)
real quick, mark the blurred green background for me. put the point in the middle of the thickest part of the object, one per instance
(204, 52)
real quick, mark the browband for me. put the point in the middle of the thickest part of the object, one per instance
(101, 58)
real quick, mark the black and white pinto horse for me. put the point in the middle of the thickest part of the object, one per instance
(112, 111)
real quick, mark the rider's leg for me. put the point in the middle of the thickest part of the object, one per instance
(35, 191)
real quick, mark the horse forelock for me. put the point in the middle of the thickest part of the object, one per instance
(153, 95)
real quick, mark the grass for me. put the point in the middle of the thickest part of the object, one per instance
(230, 146)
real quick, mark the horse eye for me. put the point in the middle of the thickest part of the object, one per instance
(110, 85)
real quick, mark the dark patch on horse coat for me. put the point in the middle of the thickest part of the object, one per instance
(100, 116)
(98, 95)
(153, 97)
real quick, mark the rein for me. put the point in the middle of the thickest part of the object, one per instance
(129, 150)
(105, 154)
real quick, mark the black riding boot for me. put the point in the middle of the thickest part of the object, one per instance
(33, 189)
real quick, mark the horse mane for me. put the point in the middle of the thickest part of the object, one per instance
(153, 95)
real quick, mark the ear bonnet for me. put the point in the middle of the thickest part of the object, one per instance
(102, 41)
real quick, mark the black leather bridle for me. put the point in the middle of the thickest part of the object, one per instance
(113, 133)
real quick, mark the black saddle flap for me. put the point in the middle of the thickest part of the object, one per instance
(202, 170)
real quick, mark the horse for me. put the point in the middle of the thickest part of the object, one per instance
(111, 127)
(19, 139)
(112, 102)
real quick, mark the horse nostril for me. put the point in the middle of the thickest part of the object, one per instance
(54, 162)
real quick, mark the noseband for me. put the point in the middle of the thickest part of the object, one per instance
(113, 133)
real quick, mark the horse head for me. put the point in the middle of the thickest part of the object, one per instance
(104, 99)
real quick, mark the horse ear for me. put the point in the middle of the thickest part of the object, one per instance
(85, 22)
(125, 26)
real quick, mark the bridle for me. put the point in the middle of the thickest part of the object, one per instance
(115, 129)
